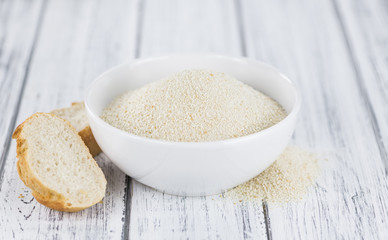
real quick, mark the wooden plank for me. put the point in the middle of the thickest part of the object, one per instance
(306, 41)
(171, 217)
(78, 40)
(196, 26)
(362, 23)
(175, 26)
(19, 21)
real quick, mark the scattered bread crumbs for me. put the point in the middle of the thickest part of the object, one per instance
(286, 180)
(21, 196)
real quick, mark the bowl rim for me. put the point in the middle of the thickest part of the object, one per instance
(131, 63)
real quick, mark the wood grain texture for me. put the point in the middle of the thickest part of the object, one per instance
(78, 41)
(155, 215)
(306, 41)
(197, 26)
(19, 24)
(363, 25)
(175, 26)
(335, 50)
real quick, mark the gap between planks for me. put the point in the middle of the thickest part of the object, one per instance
(240, 20)
(128, 180)
(361, 87)
(151, 213)
(90, 28)
(15, 113)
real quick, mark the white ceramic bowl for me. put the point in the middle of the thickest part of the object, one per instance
(184, 168)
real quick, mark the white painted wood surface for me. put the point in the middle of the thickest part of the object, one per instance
(76, 42)
(19, 23)
(155, 215)
(334, 50)
(349, 200)
(363, 25)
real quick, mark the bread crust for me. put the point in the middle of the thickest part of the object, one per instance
(41, 192)
(88, 138)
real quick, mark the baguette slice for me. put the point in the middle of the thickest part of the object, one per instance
(56, 164)
(76, 115)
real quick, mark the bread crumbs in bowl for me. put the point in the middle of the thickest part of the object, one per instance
(192, 124)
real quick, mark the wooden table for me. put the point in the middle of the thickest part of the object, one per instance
(335, 50)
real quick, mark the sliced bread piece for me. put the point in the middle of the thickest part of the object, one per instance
(76, 115)
(56, 164)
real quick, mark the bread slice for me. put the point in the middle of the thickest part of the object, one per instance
(56, 164)
(76, 115)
